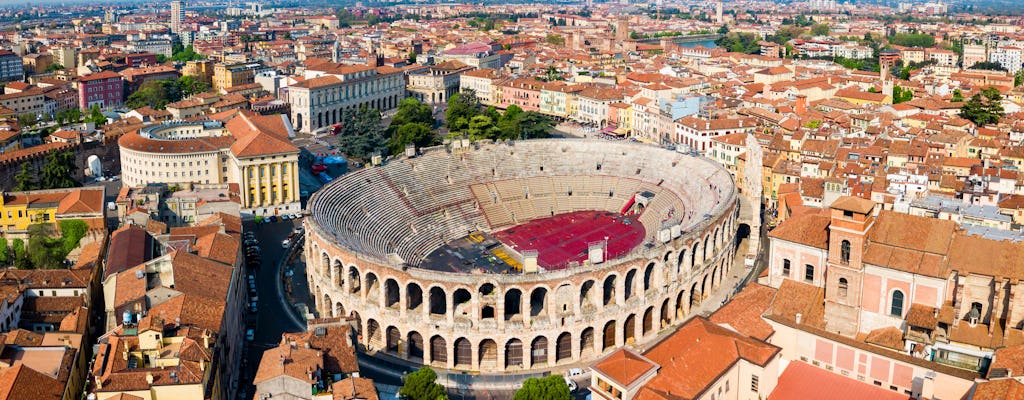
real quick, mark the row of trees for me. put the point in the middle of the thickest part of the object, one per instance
(158, 94)
(45, 249)
(466, 115)
(56, 173)
(422, 385)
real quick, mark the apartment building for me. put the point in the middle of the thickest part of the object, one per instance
(330, 88)
(103, 89)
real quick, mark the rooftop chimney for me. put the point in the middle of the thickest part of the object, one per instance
(799, 317)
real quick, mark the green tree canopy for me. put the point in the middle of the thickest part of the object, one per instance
(5, 252)
(555, 39)
(361, 133)
(958, 96)
(58, 171)
(415, 133)
(551, 387)
(25, 179)
(901, 95)
(983, 108)
(820, 30)
(422, 385)
(739, 42)
(96, 116)
(912, 40)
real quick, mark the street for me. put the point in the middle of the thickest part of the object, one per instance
(271, 319)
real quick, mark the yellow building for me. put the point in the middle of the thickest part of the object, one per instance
(18, 210)
(202, 69)
(237, 147)
(227, 75)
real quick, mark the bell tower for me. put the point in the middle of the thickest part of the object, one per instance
(851, 218)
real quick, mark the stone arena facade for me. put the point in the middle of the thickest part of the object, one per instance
(370, 229)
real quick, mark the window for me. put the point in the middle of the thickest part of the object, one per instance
(785, 267)
(896, 309)
(975, 314)
(753, 383)
(808, 273)
(843, 286)
(844, 252)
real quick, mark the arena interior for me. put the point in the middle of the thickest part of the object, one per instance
(520, 256)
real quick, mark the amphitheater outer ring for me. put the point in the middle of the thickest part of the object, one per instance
(584, 313)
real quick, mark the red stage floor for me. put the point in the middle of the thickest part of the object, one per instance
(564, 238)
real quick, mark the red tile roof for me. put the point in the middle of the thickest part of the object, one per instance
(802, 381)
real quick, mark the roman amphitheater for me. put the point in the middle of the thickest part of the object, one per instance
(520, 256)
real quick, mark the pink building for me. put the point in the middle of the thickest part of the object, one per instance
(105, 89)
(524, 93)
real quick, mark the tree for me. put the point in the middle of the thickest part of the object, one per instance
(20, 258)
(412, 133)
(813, 124)
(989, 66)
(44, 251)
(482, 127)
(900, 95)
(58, 170)
(361, 133)
(551, 387)
(71, 232)
(1018, 78)
(820, 30)
(739, 42)
(189, 85)
(27, 119)
(422, 385)
(912, 40)
(535, 125)
(462, 107)
(412, 57)
(555, 39)
(723, 30)
(54, 67)
(958, 96)
(983, 108)
(96, 116)
(25, 179)
(4, 252)
(411, 110)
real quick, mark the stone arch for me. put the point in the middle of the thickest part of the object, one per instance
(666, 317)
(325, 263)
(463, 353)
(354, 280)
(539, 302)
(629, 329)
(415, 343)
(608, 337)
(488, 354)
(338, 274)
(438, 301)
(630, 284)
(648, 322)
(392, 338)
(326, 305)
(587, 342)
(438, 350)
(539, 351)
(563, 347)
(693, 255)
(648, 278)
(608, 290)
(681, 302)
(668, 257)
(392, 295)
(460, 302)
(562, 300)
(587, 295)
(695, 294)
(358, 321)
(373, 334)
(514, 353)
(339, 310)
(298, 121)
(681, 262)
(372, 288)
(513, 303)
(704, 254)
(413, 296)
(716, 240)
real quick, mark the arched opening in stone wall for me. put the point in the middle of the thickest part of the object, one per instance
(587, 343)
(648, 278)
(630, 284)
(539, 302)
(373, 336)
(513, 304)
(488, 353)
(539, 351)
(587, 301)
(514, 353)
(609, 336)
(563, 347)
(629, 329)
(354, 280)
(391, 294)
(648, 321)
(609, 290)
(460, 301)
(438, 301)
(413, 296)
(415, 343)
(372, 288)
(463, 353)
(666, 317)
(438, 350)
(393, 339)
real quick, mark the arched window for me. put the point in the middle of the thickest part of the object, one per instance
(844, 252)
(975, 314)
(843, 287)
(808, 273)
(785, 267)
(896, 309)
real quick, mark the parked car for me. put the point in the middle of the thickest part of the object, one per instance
(273, 218)
(285, 217)
(252, 307)
(298, 230)
(297, 215)
(572, 384)
(285, 243)
(250, 335)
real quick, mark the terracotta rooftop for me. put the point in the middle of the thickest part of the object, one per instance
(802, 381)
